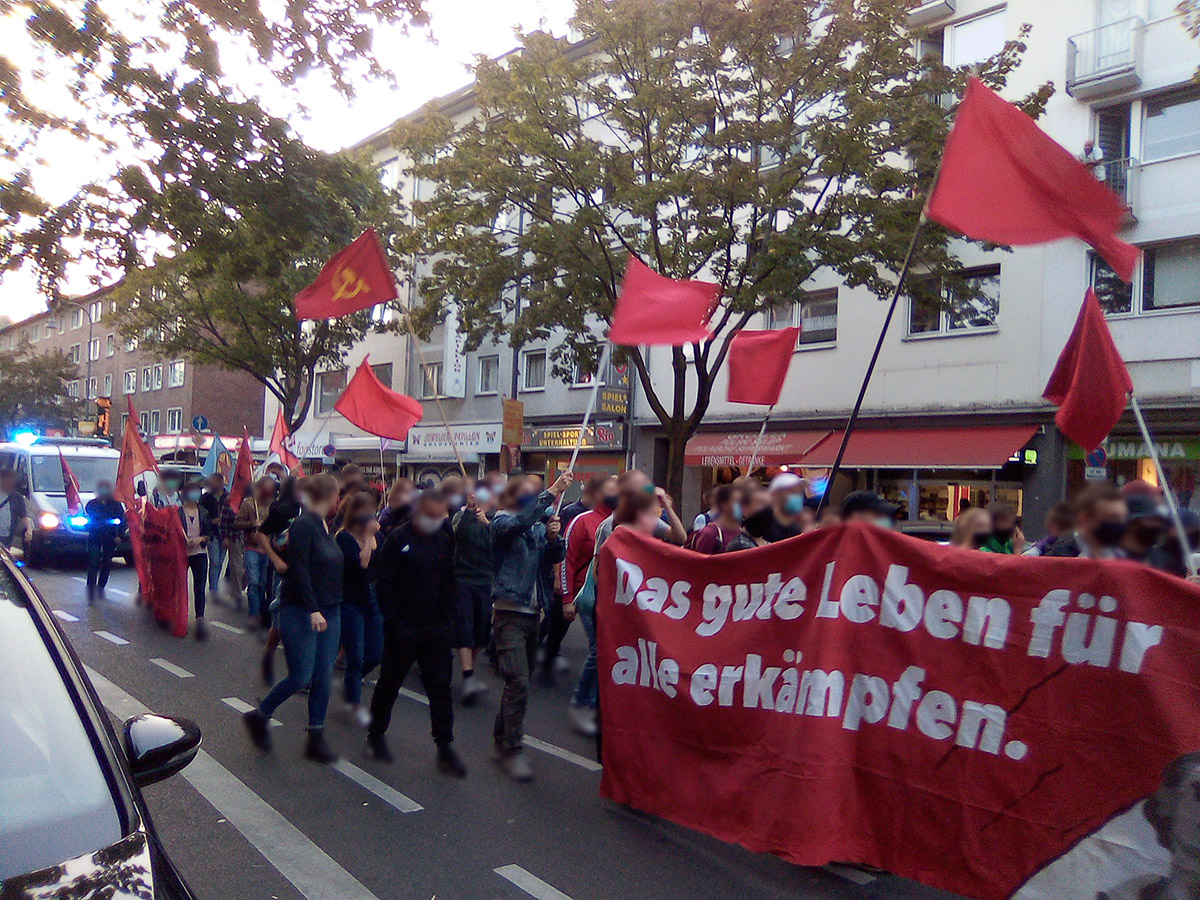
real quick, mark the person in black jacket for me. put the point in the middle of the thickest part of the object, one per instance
(309, 618)
(105, 522)
(416, 596)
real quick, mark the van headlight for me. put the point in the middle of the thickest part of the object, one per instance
(49, 520)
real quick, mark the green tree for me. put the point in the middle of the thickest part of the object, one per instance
(226, 297)
(33, 390)
(144, 91)
(748, 143)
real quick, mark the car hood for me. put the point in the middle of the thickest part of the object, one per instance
(120, 872)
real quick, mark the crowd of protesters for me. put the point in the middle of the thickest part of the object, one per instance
(333, 569)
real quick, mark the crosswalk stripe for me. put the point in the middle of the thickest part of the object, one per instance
(243, 707)
(65, 616)
(530, 883)
(232, 629)
(384, 792)
(554, 750)
(172, 668)
(111, 638)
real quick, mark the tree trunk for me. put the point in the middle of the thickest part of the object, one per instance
(677, 438)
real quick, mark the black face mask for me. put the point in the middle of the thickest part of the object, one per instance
(1145, 535)
(978, 540)
(756, 525)
(1109, 534)
(611, 502)
(1004, 535)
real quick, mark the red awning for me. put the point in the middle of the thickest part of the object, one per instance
(986, 447)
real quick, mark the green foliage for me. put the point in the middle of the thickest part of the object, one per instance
(753, 144)
(226, 298)
(33, 390)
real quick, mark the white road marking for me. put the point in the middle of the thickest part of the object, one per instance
(243, 707)
(384, 792)
(65, 616)
(111, 638)
(530, 884)
(172, 668)
(554, 750)
(117, 591)
(79, 578)
(858, 876)
(413, 695)
(310, 869)
(232, 629)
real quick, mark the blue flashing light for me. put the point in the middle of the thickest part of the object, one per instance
(25, 438)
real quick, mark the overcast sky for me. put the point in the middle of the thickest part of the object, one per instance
(427, 64)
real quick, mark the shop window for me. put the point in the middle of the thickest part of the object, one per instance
(816, 312)
(329, 388)
(489, 376)
(533, 370)
(432, 380)
(957, 303)
(1172, 126)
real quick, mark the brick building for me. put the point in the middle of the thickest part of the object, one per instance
(167, 393)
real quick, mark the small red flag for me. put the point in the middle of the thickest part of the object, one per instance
(355, 278)
(1090, 384)
(376, 409)
(70, 487)
(243, 472)
(1005, 180)
(758, 365)
(136, 458)
(656, 310)
(279, 441)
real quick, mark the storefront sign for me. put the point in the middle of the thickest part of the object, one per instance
(1135, 448)
(514, 422)
(600, 436)
(454, 357)
(1095, 473)
(613, 402)
(433, 442)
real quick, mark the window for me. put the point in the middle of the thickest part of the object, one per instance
(489, 376)
(816, 314)
(329, 388)
(96, 310)
(147, 378)
(131, 344)
(383, 372)
(35, 334)
(157, 377)
(155, 421)
(432, 383)
(959, 303)
(175, 420)
(107, 386)
(94, 349)
(92, 386)
(1172, 126)
(533, 370)
(73, 388)
(175, 373)
(77, 317)
(130, 383)
(975, 40)
(1171, 275)
(144, 422)
(110, 345)
(74, 353)
(124, 422)
(50, 329)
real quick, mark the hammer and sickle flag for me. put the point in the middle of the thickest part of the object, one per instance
(356, 278)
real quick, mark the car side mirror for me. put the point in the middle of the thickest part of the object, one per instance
(159, 746)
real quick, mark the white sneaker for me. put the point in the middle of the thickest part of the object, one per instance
(583, 718)
(562, 665)
(360, 714)
(473, 688)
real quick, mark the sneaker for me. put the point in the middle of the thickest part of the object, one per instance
(259, 726)
(360, 715)
(516, 766)
(317, 749)
(449, 763)
(377, 748)
(583, 719)
(473, 688)
(562, 665)
(201, 630)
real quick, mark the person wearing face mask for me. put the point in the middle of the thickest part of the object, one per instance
(581, 549)
(166, 492)
(868, 506)
(416, 595)
(1145, 529)
(454, 489)
(1006, 538)
(362, 623)
(399, 507)
(105, 522)
(717, 535)
(473, 586)
(1101, 515)
(249, 519)
(757, 516)
(309, 618)
(973, 529)
(787, 500)
(523, 546)
(632, 481)
(198, 529)
(1170, 555)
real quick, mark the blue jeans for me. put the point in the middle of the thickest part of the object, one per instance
(587, 692)
(362, 639)
(257, 581)
(310, 657)
(216, 562)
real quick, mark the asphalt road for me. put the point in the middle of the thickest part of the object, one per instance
(244, 826)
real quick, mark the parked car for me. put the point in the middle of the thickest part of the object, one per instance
(39, 472)
(73, 822)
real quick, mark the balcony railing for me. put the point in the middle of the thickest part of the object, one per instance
(1105, 60)
(1121, 175)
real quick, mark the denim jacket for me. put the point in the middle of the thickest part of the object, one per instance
(520, 553)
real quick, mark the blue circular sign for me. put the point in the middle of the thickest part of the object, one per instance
(328, 450)
(200, 423)
(1096, 459)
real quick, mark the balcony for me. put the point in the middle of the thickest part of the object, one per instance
(1105, 61)
(1122, 176)
(923, 13)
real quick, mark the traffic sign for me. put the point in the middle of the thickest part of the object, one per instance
(328, 450)
(200, 423)
(1096, 459)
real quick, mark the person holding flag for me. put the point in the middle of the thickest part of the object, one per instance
(105, 523)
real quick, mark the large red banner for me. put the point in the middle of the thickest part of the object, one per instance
(858, 696)
(160, 554)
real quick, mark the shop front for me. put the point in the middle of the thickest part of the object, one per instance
(429, 453)
(1125, 457)
(546, 450)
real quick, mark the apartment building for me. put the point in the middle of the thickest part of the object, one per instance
(167, 394)
(954, 412)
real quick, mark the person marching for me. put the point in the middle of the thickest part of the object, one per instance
(473, 586)
(362, 624)
(198, 529)
(105, 521)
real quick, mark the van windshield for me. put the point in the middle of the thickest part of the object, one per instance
(48, 477)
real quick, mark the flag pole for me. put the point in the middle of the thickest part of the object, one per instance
(601, 367)
(1172, 506)
(382, 465)
(758, 443)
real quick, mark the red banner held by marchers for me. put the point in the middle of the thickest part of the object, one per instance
(160, 553)
(856, 695)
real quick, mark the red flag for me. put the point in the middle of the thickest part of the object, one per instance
(1004, 180)
(376, 409)
(243, 472)
(160, 554)
(758, 365)
(355, 278)
(656, 310)
(136, 458)
(70, 487)
(279, 441)
(1090, 384)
